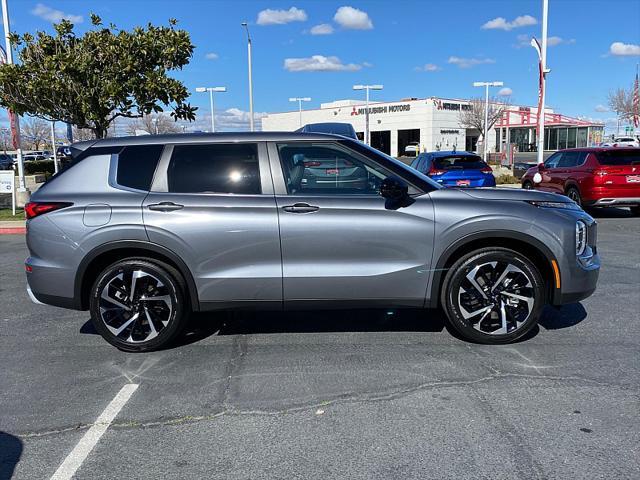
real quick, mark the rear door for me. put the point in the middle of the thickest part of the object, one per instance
(339, 242)
(213, 205)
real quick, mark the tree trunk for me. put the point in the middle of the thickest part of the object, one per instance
(99, 131)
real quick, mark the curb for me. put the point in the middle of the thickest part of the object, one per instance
(13, 231)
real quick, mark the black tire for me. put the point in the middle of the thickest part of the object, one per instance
(574, 194)
(635, 211)
(166, 316)
(454, 295)
(527, 185)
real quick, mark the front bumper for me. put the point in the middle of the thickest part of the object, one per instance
(579, 282)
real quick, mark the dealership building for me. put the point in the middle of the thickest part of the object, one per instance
(434, 124)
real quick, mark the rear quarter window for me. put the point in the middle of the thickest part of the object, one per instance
(136, 166)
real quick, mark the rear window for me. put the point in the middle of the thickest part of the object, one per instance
(459, 162)
(619, 157)
(136, 166)
(215, 168)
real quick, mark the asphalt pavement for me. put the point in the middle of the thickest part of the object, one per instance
(329, 395)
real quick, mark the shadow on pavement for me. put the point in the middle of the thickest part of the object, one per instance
(10, 453)
(610, 212)
(564, 317)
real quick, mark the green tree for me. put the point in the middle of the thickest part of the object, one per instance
(92, 79)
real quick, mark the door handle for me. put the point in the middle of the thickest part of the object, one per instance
(300, 208)
(165, 206)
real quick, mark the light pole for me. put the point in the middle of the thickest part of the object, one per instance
(300, 100)
(155, 123)
(211, 90)
(23, 193)
(53, 147)
(542, 70)
(486, 85)
(366, 88)
(246, 27)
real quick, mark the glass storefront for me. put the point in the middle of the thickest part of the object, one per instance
(555, 138)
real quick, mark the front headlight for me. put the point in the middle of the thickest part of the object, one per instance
(564, 205)
(581, 237)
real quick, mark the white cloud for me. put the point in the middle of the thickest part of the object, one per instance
(319, 63)
(322, 29)
(280, 17)
(211, 56)
(428, 67)
(620, 49)
(505, 92)
(601, 108)
(349, 17)
(469, 62)
(52, 15)
(500, 23)
(524, 40)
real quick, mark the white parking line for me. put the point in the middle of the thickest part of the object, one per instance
(79, 454)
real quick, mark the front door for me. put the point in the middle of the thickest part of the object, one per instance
(213, 205)
(339, 242)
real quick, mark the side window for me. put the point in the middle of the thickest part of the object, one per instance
(136, 166)
(214, 168)
(569, 159)
(327, 169)
(552, 161)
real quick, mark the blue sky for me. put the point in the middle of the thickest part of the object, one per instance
(414, 48)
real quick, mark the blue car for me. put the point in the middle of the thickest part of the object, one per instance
(455, 169)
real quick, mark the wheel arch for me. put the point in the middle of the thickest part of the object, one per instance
(536, 251)
(100, 257)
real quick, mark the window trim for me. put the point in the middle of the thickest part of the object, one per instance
(113, 169)
(280, 185)
(160, 182)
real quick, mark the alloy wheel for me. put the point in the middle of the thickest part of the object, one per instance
(496, 297)
(135, 305)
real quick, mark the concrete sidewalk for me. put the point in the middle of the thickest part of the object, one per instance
(13, 227)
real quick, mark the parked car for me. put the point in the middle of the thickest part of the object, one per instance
(6, 162)
(621, 142)
(63, 152)
(412, 148)
(592, 177)
(335, 128)
(142, 230)
(31, 157)
(455, 169)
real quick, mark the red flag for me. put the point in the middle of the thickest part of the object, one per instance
(15, 134)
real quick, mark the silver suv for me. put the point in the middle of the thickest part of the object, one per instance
(143, 230)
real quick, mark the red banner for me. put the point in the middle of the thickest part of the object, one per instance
(15, 133)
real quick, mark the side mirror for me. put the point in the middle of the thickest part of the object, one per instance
(541, 167)
(393, 188)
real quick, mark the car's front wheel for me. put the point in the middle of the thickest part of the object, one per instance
(137, 304)
(493, 295)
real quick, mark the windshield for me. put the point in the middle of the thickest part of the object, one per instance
(619, 157)
(459, 162)
(397, 164)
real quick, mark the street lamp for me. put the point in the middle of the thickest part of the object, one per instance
(486, 85)
(155, 123)
(367, 138)
(300, 100)
(246, 27)
(542, 71)
(211, 90)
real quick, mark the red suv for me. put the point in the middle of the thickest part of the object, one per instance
(592, 177)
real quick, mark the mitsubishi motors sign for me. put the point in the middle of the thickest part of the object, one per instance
(401, 107)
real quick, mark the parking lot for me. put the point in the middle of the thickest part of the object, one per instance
(347, 394)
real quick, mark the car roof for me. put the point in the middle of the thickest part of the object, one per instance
(449, 153)
(206, 138)
(595, 149)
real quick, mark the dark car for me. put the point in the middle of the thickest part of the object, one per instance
(63, 152)
(591, 177)
(335, 128)
(6, 162)
(455, 169)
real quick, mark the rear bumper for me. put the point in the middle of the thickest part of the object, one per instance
(614, 202)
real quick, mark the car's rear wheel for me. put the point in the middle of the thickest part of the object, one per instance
(574, 194)
(137, 304)
(493, 295)
(527, 185)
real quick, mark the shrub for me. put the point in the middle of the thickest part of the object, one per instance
(509, 179)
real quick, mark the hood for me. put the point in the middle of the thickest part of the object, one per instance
(516, 194)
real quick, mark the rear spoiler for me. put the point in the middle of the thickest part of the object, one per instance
(79, 147)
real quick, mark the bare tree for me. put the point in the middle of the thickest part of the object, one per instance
(472, 116)
(35, 132)
(82, 134)
(5, 139)
(621, 102)
(155, 123)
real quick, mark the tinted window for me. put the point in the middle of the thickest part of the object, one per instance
(136, 166)
(570, 159)
(327, 169)
(459, 162)
(215, 168)
(552, 161)
(619, 157)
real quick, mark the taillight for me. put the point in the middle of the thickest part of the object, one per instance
(35, 209)
(486, 170)
(312, 164)
(434, 171)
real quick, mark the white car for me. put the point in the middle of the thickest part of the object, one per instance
(621, 142)
(413, 148)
